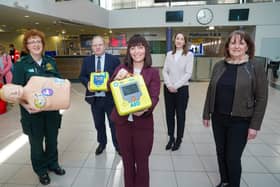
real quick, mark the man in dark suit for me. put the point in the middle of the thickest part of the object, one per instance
(101, 102)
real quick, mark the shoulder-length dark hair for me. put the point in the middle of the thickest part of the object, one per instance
(243, 36)
(31, 33)
(134, 41)
(185, 50)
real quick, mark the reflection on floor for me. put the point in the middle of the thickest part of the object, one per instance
(194, 165)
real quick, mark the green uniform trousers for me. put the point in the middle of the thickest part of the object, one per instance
(43, 135)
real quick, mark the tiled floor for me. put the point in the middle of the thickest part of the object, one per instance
(194, 165)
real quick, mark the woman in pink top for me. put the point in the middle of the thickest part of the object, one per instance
(5, 66)
(176, 72)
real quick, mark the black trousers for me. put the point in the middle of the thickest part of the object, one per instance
(100, 107)
(176, 104)
(43, 142)
(230, 134)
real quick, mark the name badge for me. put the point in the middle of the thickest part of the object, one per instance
(31, 70)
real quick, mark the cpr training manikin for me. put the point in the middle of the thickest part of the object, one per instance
(39, 94)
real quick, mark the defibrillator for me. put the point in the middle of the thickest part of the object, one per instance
(130, 95)
(98, 81)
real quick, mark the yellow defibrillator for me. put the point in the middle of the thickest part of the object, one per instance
(130, 95)
(98, 81)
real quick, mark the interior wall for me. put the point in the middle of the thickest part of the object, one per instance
(265, 16)
(260, 14)
(268, 41)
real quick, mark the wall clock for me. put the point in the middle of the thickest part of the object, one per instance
(204, 16)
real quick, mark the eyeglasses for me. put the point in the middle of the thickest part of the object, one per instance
(33, 42)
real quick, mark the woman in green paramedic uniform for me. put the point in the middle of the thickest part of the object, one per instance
(41, 127)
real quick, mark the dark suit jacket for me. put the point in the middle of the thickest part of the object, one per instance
(111, 62)
(152, 80)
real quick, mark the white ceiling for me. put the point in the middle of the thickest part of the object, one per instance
(13, 20)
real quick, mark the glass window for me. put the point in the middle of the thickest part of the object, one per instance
(121, 4)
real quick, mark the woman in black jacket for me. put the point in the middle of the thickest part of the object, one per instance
(236, 102)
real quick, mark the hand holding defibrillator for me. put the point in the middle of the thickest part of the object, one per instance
(122, 74)
(130, 93)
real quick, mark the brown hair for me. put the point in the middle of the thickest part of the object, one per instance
(185, 50)
(31, 33)
(134, 41)
(243, 36)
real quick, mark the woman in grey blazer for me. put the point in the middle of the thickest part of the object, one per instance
(236, 102)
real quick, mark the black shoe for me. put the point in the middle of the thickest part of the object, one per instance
(169, 144)
(177, 144)
(44, 179)
(223, 184)
(58, 171)
(100, 149)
